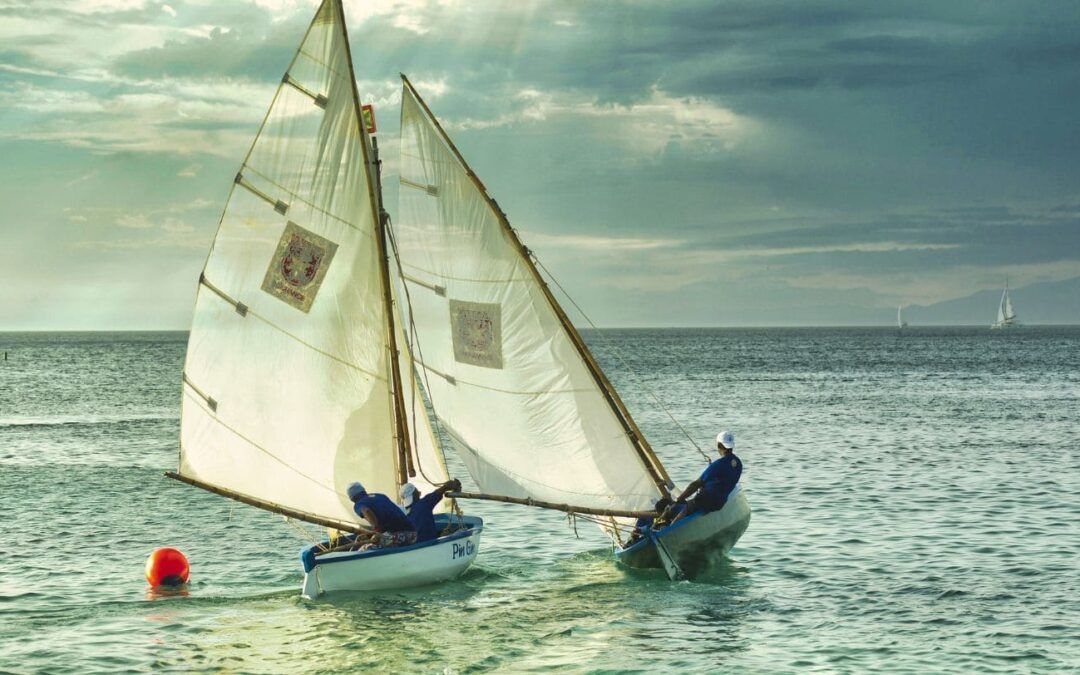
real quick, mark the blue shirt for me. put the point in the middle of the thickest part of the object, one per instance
(720, 477)
(391, 518)
(420, 515)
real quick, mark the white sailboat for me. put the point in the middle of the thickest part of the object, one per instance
(1006, 317)
(511, 382)
(293, 386)
(900, 323)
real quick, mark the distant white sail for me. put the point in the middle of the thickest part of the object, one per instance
(1006, 315)
(286, 396)
(508, 383)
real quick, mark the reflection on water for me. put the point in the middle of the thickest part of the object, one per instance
(166, 592)
(890, 530)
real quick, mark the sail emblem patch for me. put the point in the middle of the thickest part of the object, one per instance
(298, 267)
(476, 328)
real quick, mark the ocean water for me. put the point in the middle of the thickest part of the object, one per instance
(916, 504)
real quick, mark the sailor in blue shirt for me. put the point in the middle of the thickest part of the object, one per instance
(420, 509)
(389, 522)
(716, 482)
(663, 509)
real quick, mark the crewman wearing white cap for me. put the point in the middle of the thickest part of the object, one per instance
(420, 509)
(716, 481)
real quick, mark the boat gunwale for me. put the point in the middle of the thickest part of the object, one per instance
(645, 541)
(475, 527)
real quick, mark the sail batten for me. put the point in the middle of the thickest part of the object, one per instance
(519, 396)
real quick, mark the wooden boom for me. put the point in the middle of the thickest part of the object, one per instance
(568, 508)
(342, 525)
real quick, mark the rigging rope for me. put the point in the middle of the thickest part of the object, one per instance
(304, 534)
(619, 356)
(413, 337)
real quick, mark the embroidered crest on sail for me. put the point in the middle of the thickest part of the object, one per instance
(477, 333)
(298, 267)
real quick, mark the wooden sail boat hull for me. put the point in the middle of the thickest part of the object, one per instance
(405, 567)
(695, 541)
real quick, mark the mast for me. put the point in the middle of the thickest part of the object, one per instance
(401, 433)
(641, 446)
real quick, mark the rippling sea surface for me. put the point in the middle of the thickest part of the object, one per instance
(916, 503)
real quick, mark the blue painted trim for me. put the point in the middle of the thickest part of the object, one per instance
(475, 526)
(689, 519)
(642, 543)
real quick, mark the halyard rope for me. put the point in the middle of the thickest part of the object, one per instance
(413, 337)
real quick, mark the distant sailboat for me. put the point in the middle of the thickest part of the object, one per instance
(900, 323)
(1006, 317)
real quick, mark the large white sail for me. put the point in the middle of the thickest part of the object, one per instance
(508, 383)
(286, 396)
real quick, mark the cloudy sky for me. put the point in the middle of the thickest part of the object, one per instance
(672, 163)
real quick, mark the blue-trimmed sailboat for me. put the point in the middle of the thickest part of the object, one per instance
(512, 384)
(296, 382)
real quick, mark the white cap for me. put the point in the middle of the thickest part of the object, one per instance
(355, 491)
(408, 494)
(726, 439)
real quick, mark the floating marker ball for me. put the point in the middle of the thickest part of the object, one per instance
(167, 567)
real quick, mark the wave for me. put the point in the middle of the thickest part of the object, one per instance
(83, 420)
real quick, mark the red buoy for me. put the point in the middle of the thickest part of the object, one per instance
(167, 567)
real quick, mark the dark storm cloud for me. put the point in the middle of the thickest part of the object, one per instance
(931, 142)
(258, 53)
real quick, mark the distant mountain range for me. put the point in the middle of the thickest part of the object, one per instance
(1049, 302)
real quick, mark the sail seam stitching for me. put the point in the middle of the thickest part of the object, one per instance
(314, 348)
(300, 199)
(467, 279)
(255, 445)
(247, 311)
(322, 63)
(459, 440)
(456, 380)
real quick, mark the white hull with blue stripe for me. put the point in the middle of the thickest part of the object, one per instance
(404, 567)
(694, 542)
